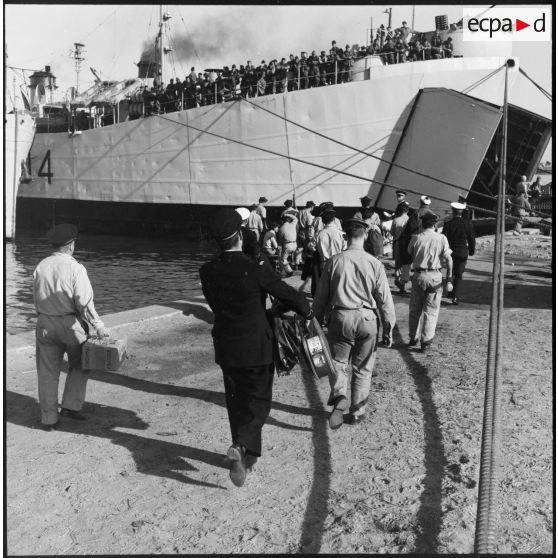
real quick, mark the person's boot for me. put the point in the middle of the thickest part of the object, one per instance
(75, 415)
(336, 415)
(237, 457)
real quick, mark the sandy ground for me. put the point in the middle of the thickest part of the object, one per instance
(146, 472)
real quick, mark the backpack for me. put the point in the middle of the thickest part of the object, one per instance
(374, 242)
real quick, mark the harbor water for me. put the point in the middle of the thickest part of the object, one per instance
(126, 273)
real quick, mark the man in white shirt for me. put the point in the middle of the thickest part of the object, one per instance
(64, 302)
(255, 222)
(318, 224)
(330, 240)
(286, 238)
(430, 250)
(262, 211)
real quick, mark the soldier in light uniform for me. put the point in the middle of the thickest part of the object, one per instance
(255, 222)
(318, 224)
(262, 211)
(330, 239)
(64, 302)
(305, 234)
(353, 287)
(286, 238)
(428, 249)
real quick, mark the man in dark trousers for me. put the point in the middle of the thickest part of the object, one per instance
(461, 238)
(235, 287)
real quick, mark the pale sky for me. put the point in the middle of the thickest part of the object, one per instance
(216, 35)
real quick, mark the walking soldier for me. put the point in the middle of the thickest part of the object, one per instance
(235, 287)
(352, 289)
(64, 303)
(428, 249)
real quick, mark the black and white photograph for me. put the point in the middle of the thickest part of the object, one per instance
(278, 279)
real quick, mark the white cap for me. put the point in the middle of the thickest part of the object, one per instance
(425, 200)
(243, 212)
(457, 205)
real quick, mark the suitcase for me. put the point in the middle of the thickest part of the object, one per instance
(103, 353)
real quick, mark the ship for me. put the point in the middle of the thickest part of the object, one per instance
(19, 131)
(429, 127)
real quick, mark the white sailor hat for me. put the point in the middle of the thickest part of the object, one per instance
(244, 212)
(458, 206)
(425, 200)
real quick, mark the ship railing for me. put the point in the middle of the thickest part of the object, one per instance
(307, 77)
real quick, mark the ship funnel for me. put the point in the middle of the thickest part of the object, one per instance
(149, 65)
(41, 86)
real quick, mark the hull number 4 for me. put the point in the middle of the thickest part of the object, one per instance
(46, 163)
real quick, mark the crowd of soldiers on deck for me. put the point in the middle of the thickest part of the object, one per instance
(298, 72)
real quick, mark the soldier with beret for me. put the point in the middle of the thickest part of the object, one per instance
(461, 238)
(64, 302)
(429, 251)
(352, 294)
(235, 287)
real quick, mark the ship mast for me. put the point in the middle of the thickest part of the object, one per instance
(79, 56)
(161, 47)
(163, 50)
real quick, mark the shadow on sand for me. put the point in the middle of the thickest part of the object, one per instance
(152, 457)
(429, 515)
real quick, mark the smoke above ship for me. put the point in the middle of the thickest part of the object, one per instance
(210, 42)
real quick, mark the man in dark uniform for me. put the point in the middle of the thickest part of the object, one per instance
(461, 238)
(304, 71)
(401, 196)
(235, 287)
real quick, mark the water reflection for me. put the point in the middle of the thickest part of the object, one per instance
(126, 273)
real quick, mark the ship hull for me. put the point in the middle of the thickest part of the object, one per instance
(167, 172)
(19, 130)
(130, 219)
